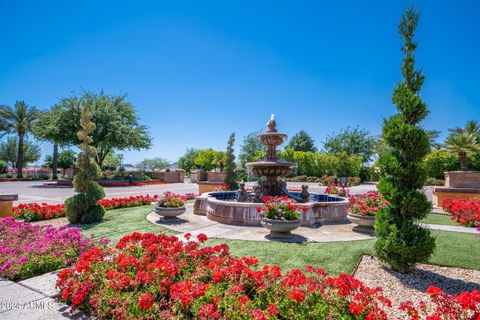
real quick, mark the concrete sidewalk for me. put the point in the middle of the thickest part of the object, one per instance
(33, 299)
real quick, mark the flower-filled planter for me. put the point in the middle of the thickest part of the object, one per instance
(336, 190)
(170, 205)
(279, 215)
(363, 208)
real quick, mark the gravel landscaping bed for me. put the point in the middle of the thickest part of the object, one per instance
(58, 222)
(412, 286)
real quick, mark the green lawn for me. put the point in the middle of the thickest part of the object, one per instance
(435, 218)
(120, 222)
(453, 248)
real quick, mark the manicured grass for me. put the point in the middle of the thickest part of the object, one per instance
(453, 249)
(435, 218)
(334, 257)
(457, 249)
(120, 222)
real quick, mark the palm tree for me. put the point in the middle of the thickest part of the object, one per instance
(18, 120)
(471, 126)
(463, 143)
(432, 137)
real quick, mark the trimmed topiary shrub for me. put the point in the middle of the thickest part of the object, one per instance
(230, 174)
(401, 242)
(84, 207)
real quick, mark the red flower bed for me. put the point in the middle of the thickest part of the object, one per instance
(465, 211)
(132, 201)
(37, 212)
(148, 276)
(158, 276)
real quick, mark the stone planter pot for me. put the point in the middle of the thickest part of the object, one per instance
(280, 229)
(170, 213)
(361, 220)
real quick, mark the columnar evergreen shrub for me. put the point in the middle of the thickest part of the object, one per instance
(84, 207)
(401, 242)
(230, 174)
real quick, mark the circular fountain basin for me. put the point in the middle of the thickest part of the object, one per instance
(222, 207)
(271, 168)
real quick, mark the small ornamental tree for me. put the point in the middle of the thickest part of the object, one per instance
(230, 174)
(84, 207)
(401, 241)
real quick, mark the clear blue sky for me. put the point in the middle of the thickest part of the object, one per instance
(198, 70)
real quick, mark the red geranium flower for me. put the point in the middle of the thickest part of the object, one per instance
(146, 301)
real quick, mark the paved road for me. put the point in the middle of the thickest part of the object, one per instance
(32, 191)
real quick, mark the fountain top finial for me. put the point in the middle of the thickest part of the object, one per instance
(271, 124)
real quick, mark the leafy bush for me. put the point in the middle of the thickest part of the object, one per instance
(3, 167)
(327, 180)
(318, 164)
(353, 181)
(439, 161)
(401, 241)
(435, 182)
(84, 207)
(29, 250)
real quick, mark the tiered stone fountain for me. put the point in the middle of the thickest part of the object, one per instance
(271, 167)
(240, 207)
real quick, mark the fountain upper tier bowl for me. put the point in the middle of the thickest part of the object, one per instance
(271, 168)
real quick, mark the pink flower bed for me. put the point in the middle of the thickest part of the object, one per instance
(28, 250)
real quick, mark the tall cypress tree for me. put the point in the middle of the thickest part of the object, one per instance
(401, 242)
(230, 174)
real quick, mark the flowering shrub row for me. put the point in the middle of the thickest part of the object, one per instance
(43, 211)
(367, 204)
(465, 211)
(158, 276)
(132, 201)
(149, 276)
(28, 250)
(36, 212)
(278, 208)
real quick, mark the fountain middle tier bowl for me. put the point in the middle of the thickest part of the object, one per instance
(271, 168)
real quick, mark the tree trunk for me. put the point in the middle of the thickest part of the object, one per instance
(55, 161)
(463, 161)
(20, 156)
